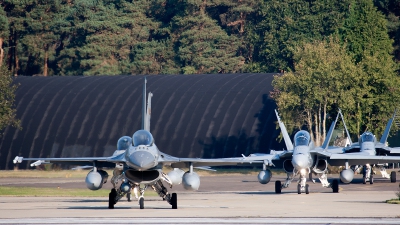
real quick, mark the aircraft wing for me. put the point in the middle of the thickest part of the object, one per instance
(395, 150)
(258, 158)
(361, 159)
(327, 152)
(200, 162)
(98, 161)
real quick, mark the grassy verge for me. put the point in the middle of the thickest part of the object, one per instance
(45, 173)
(393, 201)
(56, 192)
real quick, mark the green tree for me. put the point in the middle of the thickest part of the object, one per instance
(3, 33)
(39, 43)
(7, 96)
(99, 35)
(203, 47)
(154, 57)
(365, 30)
(391, 9)
(280, 25)
(324, 77)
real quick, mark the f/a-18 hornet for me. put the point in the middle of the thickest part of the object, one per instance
(138, 165)
(366, 152)
(302, 158)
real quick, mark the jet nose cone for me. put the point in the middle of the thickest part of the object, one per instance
(300, 161)
(141, 160)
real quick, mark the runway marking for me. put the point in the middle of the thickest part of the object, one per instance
(197, 220)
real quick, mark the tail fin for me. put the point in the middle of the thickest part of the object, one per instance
(148, 114)
(146, 111)
(347, 131)
(144, 105)
(329, 135)
(286, 138)
(387, 129)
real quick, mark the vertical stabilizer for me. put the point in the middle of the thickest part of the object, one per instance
(148, 113)
(344, 124)
(286, 138)
(387, 129)
(144, 111)
(330, 132)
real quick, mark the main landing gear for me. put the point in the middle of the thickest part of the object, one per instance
(125, 188)
(302, 186)
(368, 174)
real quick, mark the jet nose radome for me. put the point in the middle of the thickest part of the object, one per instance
(141, 160)
(300, 161)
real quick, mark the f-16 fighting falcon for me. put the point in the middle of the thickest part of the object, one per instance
(301, 159)
(367, 152)
(138, 165)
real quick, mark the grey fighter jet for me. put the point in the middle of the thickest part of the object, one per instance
(138, 165)
(302, 158)
(367, 152)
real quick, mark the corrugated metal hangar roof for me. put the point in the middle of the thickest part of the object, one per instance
(208, 116)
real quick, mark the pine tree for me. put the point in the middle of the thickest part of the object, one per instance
(3, 33)
(203, 47)
(281, 25)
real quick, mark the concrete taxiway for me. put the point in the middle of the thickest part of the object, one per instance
(219, 201)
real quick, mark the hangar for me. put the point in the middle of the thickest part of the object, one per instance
(207, 116)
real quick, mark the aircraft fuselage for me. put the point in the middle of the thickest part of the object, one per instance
(301, 158)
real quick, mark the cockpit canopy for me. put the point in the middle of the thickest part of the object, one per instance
(367, 137)
(302, 138)
(142, 137)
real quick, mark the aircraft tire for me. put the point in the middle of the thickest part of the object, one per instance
(141, 203)
(174, 201)
(111, 198)
(335, 186)
(393, 177)
(298, 189)
(278, 187)
(307, 189)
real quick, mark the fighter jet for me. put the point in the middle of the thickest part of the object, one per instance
(302, 159)
(367, 152)
(138, 164)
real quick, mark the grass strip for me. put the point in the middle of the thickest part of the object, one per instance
(56, 192)
(393, 201)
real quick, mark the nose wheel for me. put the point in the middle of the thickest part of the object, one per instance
(278, 187)
(111, 198)
(174, 201)
(335, 186)
(141, 203)
(393, 177)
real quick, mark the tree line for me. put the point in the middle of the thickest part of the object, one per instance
(331, 53)
(98, 37)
